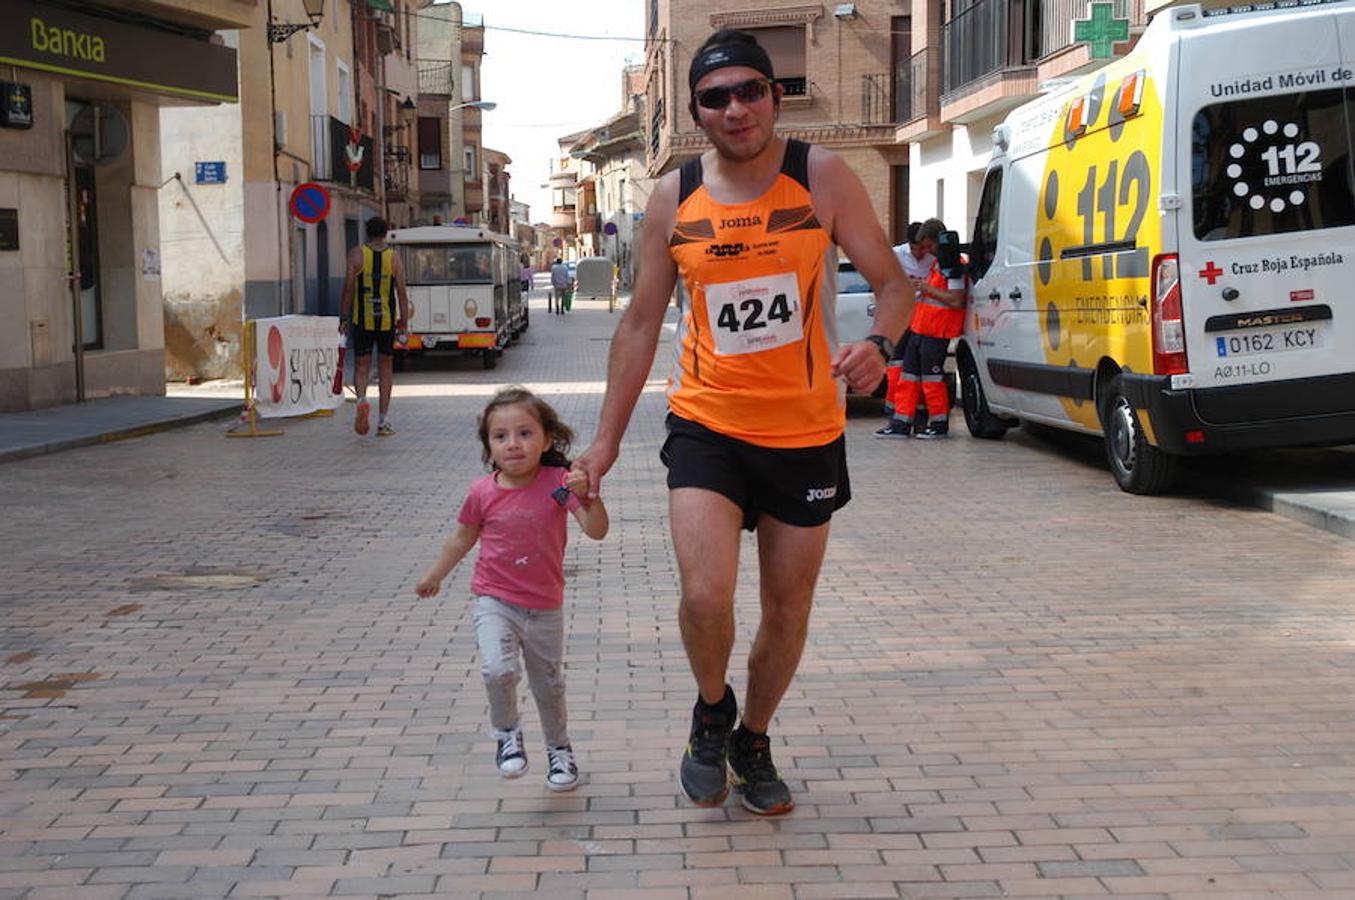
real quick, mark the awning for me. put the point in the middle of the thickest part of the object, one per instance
(383, 5)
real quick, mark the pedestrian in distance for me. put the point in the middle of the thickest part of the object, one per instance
(517, 515)
(560, 284)
(757, 404)
(370, 317)
(938, 317)
(916, 255)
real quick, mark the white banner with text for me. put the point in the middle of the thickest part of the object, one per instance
(297, 367)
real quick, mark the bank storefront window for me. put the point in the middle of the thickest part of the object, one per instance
(1272, 165)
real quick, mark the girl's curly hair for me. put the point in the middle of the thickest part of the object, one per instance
(559, 436)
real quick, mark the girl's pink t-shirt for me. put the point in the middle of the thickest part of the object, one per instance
(522, 539)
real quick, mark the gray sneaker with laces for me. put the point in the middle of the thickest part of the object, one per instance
(563, 771)
(510, 757)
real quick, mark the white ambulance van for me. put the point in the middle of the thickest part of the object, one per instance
(1164, 251)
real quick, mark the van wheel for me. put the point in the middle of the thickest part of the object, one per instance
(977, 418)
(491, 357)
(1137, 466)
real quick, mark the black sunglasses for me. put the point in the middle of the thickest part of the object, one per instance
(747, 92)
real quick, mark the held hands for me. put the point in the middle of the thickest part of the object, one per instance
(860, 365)
(594, 463)
(576, 480)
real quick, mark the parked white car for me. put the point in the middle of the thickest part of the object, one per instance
(855, 308)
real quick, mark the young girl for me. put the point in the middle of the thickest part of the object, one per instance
(517, 513)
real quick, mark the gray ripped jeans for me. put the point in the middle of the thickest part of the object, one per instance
(507, 634)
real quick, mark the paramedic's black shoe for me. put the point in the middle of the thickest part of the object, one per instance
(703, 773)
(934, 430)
(760, 788)
(897, 428)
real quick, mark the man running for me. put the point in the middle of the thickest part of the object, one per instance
(757, 409)
(375, 276)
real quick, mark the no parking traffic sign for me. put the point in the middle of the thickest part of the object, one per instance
(310, 202)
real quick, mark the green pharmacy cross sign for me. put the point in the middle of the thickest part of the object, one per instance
(1101, 30)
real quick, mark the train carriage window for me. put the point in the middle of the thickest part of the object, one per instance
(1272, 165)
(448, 263)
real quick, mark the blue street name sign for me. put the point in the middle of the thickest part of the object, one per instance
(210, 172)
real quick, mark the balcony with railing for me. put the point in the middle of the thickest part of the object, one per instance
(876, 108)
(397, 171)
(917, 95)
(563, 218)
(435, 77)
(989, 52)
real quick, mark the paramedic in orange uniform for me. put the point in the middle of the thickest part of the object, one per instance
(938, 317)
(756, 397)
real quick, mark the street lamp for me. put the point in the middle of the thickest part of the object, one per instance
(281, 31)
(408, 111)
(485, 105)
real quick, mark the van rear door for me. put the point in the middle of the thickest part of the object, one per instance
(1267, 235)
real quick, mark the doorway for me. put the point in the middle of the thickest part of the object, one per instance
(87, 239)
(326, 306)
(297, 301)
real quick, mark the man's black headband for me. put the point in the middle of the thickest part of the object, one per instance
(724, 55)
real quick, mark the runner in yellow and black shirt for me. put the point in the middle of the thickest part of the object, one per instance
(757, 409)
(369, 315)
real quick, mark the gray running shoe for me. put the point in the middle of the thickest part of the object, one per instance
(704, 772)
(760, 788)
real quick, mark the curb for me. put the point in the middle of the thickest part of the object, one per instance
(1326, 508)
(120, 434)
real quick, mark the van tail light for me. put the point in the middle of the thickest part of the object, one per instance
(1169, 328)
(483, 322)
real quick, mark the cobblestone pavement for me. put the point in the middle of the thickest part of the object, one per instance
(215, 679)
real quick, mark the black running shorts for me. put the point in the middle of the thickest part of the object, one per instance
(364, 340)
(802, 486)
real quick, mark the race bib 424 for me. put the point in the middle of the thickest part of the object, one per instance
(755, 314)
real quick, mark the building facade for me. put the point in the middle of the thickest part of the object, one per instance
(80, 171)
(333, 104)
(442, 189)
(466, 120)
(969, 63)
(613, 181)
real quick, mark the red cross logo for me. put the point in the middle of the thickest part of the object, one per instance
(1210, 272)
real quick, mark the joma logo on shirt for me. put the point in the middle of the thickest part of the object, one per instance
(741, 221)
(726, 249)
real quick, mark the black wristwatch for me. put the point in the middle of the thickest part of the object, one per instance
(884, 344)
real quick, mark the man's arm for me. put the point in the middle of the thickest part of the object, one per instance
(637, 334)
(950, 296)
(842, 204)
(349, 279)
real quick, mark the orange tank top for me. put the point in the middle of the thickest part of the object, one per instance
(756, 334)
